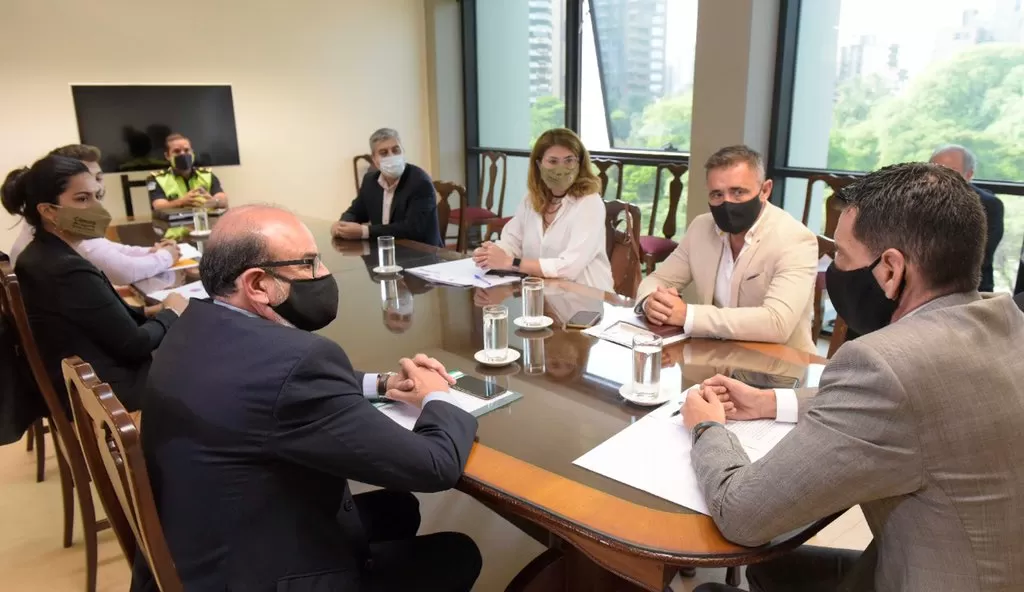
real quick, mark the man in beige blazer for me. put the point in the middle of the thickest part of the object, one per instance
(754, 266)
(920, 420)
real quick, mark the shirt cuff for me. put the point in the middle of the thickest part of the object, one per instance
(370, 385)
(366, 231)
(787, 408)
(439, 396)
(549, 267)
(688, 323)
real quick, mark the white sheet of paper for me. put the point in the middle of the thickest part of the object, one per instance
(460, 273)
(813, 376)
(188, 251)
(193, 290)
(406, 415)
(620, 325)
(653, 454)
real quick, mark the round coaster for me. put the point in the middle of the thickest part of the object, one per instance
(626, 392)
(387, 270)
(544, 323)
(199, 233)
(511, 355)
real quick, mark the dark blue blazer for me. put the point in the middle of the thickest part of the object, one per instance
(413, 209)
(252, 430)
(994, 214)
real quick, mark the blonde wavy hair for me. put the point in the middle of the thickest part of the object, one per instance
(586, 182)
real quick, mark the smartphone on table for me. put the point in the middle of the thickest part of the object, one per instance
(481, 389)
(763, 380)
(584, 319)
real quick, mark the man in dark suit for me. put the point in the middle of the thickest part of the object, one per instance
(962, 160)
(250, 444)
(396, 199)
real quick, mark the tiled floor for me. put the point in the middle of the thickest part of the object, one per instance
(32, 559)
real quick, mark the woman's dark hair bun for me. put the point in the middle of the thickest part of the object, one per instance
(13, 192)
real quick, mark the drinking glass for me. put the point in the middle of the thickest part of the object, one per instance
(533, 301)
(533, 356)
(386, 254)
(201, 220)
(646, 366)
(389, 293)
(495, 332)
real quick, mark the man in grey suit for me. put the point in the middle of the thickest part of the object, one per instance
(920, 420)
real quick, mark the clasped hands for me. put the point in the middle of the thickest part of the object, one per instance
(490, 256)
(664, 306)
(720, 397)
(417, 378)
(347, 230)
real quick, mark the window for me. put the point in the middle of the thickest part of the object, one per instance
(626, 47)
(876, 82)
(520, 70)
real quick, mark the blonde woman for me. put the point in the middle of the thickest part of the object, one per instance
(559, 229)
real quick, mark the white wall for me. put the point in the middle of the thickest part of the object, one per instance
(311, 80)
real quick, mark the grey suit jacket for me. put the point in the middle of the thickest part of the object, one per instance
(922, 424)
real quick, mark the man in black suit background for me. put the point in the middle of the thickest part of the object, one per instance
(395, 199)
(250, 443)
(963, 161)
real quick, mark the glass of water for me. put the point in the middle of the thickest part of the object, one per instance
(533, 356)
(533, 301)
(386, 254)
(201, 220)
(495, 332)
(646, 366)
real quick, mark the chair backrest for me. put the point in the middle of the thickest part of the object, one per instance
(623, 245)
(491, 164)
(113, 452)
(826, 246)
(12, 306)
(839, 331)
(602, 165)
(361, 165)
(675, 193)
(444, 191)
(832, 205)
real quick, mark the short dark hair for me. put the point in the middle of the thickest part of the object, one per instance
(733, 155)
(172, 137)
(928, 213)
(26, 188)
(225, 258)
(83, 152)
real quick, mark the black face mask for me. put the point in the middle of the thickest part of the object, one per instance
(735, 218)
(184, 162)
(858, 298)
(311, 304)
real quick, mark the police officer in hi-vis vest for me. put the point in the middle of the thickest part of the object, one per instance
(184, 185)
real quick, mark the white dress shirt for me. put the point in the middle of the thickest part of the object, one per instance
(389, 198)
(726, 265)
(572, 248)
(122, 264)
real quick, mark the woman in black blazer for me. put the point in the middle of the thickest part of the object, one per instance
(72, 307)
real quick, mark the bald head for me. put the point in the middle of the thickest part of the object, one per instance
(956, 157)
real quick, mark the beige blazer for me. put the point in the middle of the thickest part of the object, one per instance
(772, 284)
(922, 424)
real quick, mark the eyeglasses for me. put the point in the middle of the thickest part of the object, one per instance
(569, 161)
(313, 263)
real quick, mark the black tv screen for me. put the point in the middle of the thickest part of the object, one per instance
(130, 123)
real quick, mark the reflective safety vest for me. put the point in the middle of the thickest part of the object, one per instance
(175, 186)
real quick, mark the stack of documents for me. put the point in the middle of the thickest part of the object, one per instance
(406, 415)
(460, 273)
(193, 290)
(621, 325)
(653, 454)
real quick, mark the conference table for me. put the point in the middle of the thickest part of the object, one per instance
(600, 534)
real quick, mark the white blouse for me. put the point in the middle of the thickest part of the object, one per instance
(573, 248)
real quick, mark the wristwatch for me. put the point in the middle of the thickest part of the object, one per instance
(516, 262)
(701, 427)
(382, 382)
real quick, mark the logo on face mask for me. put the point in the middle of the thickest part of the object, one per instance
(90, 222)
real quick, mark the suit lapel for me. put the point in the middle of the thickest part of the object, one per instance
(709, 273)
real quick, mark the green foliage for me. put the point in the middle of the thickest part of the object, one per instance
(546, 113)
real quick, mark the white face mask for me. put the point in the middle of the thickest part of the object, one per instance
(393, 166)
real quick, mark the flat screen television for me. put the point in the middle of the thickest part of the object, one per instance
(130, 123)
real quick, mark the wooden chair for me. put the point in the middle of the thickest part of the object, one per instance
(602, 165)
(839, 331)
(113, 452)
(491, 165)
(359, 171)
(832, 204)
(623, 245)
(444, 191)
(826, 246)
(655, 248)
(70, 460)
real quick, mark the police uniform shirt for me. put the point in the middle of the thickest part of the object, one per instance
(157, 192)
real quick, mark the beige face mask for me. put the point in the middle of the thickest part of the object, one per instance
(560, 178)
(90, 222)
